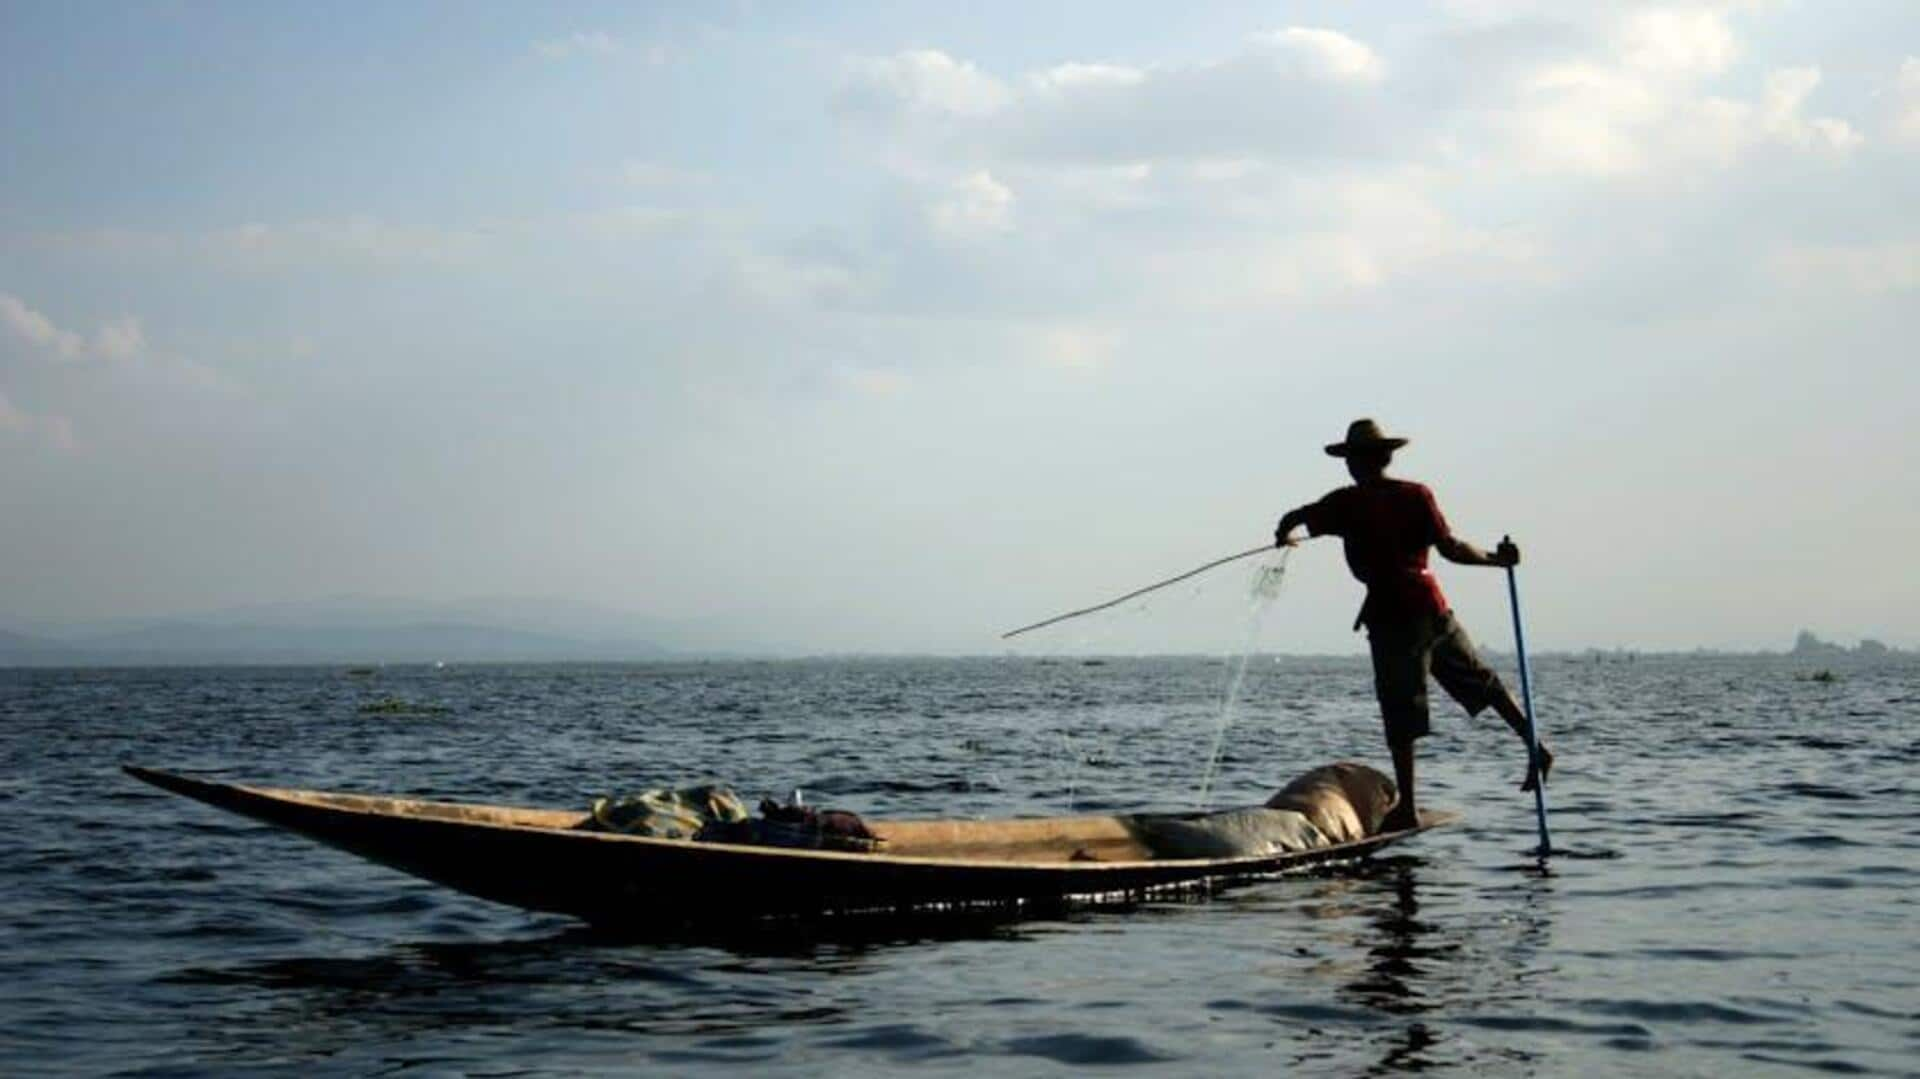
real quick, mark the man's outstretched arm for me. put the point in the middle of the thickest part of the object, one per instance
(1459, 550)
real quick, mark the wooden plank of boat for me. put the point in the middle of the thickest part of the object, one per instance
(540, 860)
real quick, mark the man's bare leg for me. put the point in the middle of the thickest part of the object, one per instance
(1405, 814)
(1509, 710)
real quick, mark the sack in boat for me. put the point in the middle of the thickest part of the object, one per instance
(808, 828)
(668, 814)
(1345, 800)
(1233, 833)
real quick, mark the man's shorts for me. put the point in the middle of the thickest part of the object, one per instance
(1403, 654)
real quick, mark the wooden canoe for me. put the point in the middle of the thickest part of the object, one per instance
(539, 859)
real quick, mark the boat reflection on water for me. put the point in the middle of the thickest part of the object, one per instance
(1424, 974)
(1403, 948)
(1403, 957)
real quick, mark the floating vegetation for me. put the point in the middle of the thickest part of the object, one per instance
(394, 706)
(1822, 676)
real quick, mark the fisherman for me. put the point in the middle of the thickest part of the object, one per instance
(1386, 525)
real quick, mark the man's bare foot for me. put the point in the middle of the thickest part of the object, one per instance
(1546, 770)
(1399, 820)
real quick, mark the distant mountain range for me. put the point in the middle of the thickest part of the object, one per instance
(19, 649)
(370, 630)
(360, 630)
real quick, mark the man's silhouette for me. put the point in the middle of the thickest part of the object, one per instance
(1387, 525)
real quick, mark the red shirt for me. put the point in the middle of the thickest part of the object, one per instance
(1387, 528)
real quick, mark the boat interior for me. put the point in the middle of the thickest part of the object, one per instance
(1034, 840)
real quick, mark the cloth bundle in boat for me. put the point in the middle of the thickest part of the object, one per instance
(1335, 803)
(1234, 833)
(1345, 800)
(668, 814)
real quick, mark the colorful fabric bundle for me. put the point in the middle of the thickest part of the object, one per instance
(669, 814)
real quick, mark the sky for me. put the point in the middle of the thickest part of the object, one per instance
(889, 327)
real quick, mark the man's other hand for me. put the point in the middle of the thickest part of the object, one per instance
(1506, 555)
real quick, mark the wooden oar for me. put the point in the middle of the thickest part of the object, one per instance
(1141, 591)
(1526, 696)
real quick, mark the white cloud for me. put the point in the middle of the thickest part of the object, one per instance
(1780, 117)
(1095, 189)
(121, 342)
(1683, 41)
(1587, 117)
(38, 330)
(1075, 348)
(1071, 76)
(1609, 120)
(1292, 91)
(1331, 54)
(925, 81)
(578, 43)
(1609, 94)
(1341, 236)
(976, 205)
(118, 339)
(1639, 102)
(1496, 11)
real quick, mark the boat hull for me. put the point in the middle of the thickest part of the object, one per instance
(537, 860)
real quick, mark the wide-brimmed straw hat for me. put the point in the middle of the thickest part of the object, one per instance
(1363, 435)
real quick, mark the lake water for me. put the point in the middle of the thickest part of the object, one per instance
(1746, 901)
